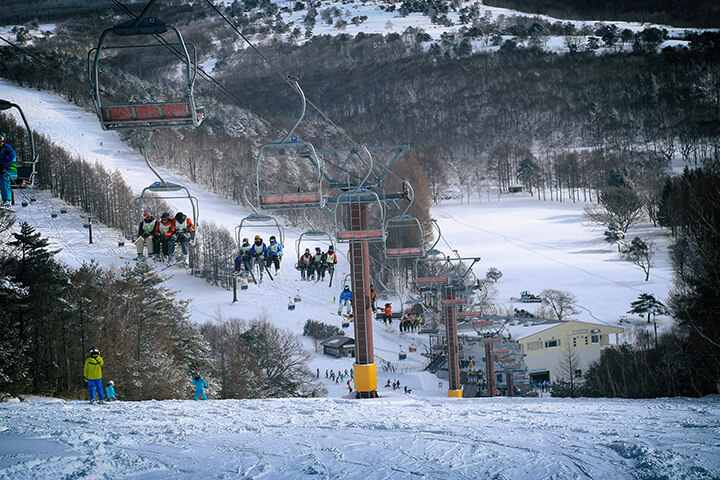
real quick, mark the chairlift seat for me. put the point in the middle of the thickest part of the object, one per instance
(404, 252)
(360, 235)
(155, 115)
(291, 200)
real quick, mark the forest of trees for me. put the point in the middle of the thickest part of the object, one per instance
(678, 13)
(52, 315)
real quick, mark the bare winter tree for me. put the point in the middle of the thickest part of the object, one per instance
(560, 302)
(493, 274)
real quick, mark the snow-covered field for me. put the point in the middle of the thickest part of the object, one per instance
(390, 438)
(422, 435)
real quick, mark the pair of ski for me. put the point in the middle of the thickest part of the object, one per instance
(7, 209)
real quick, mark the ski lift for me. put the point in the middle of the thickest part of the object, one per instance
(292, 152)
(357, 229)
(25, 168)
(162, 190)
(297, 298)
(412, 348)
(180, 110)
(244, 285)
(291, 305)
(346, 323)
(403, 233)
(314, 236)
(401, 354)
(256, 221)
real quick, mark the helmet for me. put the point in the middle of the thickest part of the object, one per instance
(317, 249)
(330, 248)
(272, 238)
(165, 215)
(111, 383)
(347, 287)
(3, 137)
(94, 351)
(180, 217)
(147, 213)
(245, 240)
(257, 237)
(307, 250)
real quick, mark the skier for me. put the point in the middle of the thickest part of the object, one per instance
(242, 261)
(146, 237)
(92, 373)
(345, 300)
(319, 264)
(184, 231)
(200, 386)
(164, 231)
(305, 265)
(8, 170)
(373, 299)
(331, 261)
(258, 253)
(110, 389)
(274, 254)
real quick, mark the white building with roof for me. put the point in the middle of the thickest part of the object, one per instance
(545, 346)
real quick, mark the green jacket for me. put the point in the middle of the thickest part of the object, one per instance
(93, 367)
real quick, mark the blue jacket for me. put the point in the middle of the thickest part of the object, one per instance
(8, 160)
(274, 249)
(258, 249)
(346, 295)
(110, 391)
(200, 384)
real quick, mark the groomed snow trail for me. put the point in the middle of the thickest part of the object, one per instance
(396, 437)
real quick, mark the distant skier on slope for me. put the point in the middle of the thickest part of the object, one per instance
(8, 170)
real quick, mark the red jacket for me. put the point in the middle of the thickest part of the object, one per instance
(165, 227)
(388, 310)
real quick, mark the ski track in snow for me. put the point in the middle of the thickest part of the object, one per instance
(390, 438)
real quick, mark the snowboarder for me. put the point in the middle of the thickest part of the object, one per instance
(305, 265)
(164, 231)
(243, 260)
(345, 300)
(200, 386)
(274, 254)
(146, 237)
(8, 170)
(110, 391)
(92, 373)
(184, 231)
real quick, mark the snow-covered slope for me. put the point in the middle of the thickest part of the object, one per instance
(390, 438)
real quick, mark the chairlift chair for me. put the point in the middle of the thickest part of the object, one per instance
(25, 168)
(349, 233)
(167, 191)
(293, 153)
(256, 221)
(404, 235)
(181, 110)
(314, 236)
